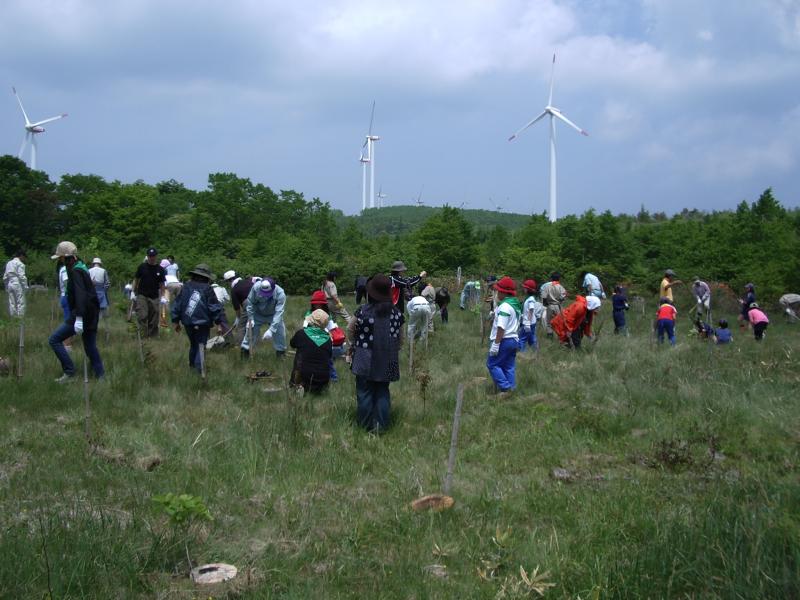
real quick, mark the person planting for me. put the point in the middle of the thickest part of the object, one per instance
(314, 356)
(575, 321)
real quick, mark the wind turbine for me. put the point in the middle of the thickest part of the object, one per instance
(32, 130)
(419, 201)
(497, 208)
(369, 144)
(381, 196)
(554, 114)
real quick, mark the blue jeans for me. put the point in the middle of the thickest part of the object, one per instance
(56, 341)
(527, 337)
(197, 335)
(373, 403)
(65, 308)
(502, 367)
(666, 326)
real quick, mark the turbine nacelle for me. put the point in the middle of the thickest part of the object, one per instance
(35, 129)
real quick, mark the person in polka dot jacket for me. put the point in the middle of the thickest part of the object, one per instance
(374, 334)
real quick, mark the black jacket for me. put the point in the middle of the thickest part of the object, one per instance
(82, 297)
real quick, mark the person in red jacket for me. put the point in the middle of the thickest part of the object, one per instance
(575, 321)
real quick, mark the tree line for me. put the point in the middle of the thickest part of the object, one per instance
(235, 223)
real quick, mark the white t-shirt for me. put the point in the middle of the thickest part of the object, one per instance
(529, 311)
(505, 317)
(62, 280)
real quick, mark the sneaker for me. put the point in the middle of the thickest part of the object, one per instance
(65, 378)
(280, 353)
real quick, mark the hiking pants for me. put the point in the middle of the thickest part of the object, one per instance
(527, 337)
(758, 330)
(666, 326)
(147, 315)
(278, 338)
(502, 367)
(56, 341)
(419, 316)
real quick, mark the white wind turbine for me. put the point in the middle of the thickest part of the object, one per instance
(496, 207)
(369, 144)
(32, 130)
(419, 201)
(380, 196)
(553, 113)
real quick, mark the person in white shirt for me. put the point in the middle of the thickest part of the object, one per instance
(419, 314)
(172, 275)
(101, 284)
(223, 298)
(504, 337)
(527, 336)
(16, 283)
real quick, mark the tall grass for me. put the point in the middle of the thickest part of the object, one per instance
(678, 472)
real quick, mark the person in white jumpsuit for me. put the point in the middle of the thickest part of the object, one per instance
(16, 283)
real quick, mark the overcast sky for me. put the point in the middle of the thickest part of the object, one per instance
(688, 103)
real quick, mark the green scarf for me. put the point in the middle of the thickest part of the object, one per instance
(317, 335)
(513, 303)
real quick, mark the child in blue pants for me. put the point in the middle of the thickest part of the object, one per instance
(527, 336)
(665, 321)
(501, 361)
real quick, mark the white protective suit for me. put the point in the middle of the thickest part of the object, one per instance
(16, 283)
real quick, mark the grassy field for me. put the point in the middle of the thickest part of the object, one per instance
(625, 470)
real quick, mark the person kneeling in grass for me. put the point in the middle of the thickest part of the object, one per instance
(722, 335)
(197, 308)
(312, 362)
(504, 337)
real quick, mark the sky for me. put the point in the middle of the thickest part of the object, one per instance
(688, 103)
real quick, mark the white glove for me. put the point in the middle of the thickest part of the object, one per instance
(494, 349)
(164, 300)
(267, 335)
(78, 327)
(133, 297)
(251, 323)
(235, 323)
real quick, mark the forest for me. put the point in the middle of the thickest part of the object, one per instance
(235, 223)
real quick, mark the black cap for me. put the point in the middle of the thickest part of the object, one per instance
(152, 251)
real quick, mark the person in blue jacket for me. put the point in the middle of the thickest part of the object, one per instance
(197, 308)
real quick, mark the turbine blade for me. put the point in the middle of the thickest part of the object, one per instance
(24, 114)
(528, 125)
(570, 123)
(371, 117)
(48, 120)
(552, 76)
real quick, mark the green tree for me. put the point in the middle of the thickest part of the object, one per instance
(28, 207)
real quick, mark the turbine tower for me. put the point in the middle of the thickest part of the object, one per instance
(369, 144)
(554, 114)
(32, 130)
(380, 196)
(364, 160)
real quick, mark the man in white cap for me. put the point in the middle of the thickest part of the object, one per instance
(84, 310)
(101, 284)
(16, 283)
(265, 305)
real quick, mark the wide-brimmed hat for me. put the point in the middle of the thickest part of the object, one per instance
(593, 303)
(380, 288)
(319, 297)
(319, 318)
(529, 284)
(228, 275)
(65, 249)
(96, 261)
(506, 285)
(202, 270)
(399, 266)
(266, 287)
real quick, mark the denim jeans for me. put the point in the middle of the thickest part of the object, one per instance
(528, 338)
(502, 367)
(56, 341)
(197, 335)
(666, 326)
(373, 403)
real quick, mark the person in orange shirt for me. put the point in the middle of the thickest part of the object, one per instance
(665, 320)
(575, 321)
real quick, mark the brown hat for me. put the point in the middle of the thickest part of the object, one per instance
(380, 288)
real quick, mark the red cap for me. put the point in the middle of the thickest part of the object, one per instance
(506, 285)
(318, 297)
(529, 284)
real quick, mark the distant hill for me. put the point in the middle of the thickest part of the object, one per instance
(396, 220)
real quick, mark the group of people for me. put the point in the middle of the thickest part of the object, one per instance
(370, 338)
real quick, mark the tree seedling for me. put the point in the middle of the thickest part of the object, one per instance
(185, 512)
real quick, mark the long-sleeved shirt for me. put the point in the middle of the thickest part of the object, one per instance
(263, 310)
(403, 283)
(701, 291)
(593, 286)
(553, 292)
(15, 273)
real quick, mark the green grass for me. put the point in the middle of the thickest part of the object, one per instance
(682, 473)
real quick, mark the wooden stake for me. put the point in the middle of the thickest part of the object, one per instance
(21, 348)
(88, 416)
(203, 362)
(451, 459)
(411, 353)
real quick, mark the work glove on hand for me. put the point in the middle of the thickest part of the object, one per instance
(339, 305)
(235, 323)
(251, 323)
(268, 334)
(164, 300)
(133, 297)
(78, 327)
(494, 349)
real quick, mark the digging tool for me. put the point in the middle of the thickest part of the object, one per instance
(439, 502)
(21, 347)
(138, 334)
(202, 349)
(87, 423)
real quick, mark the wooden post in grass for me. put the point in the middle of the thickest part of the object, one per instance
(202, 349)
(451, 459)
(410, 353)
(21, 355)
